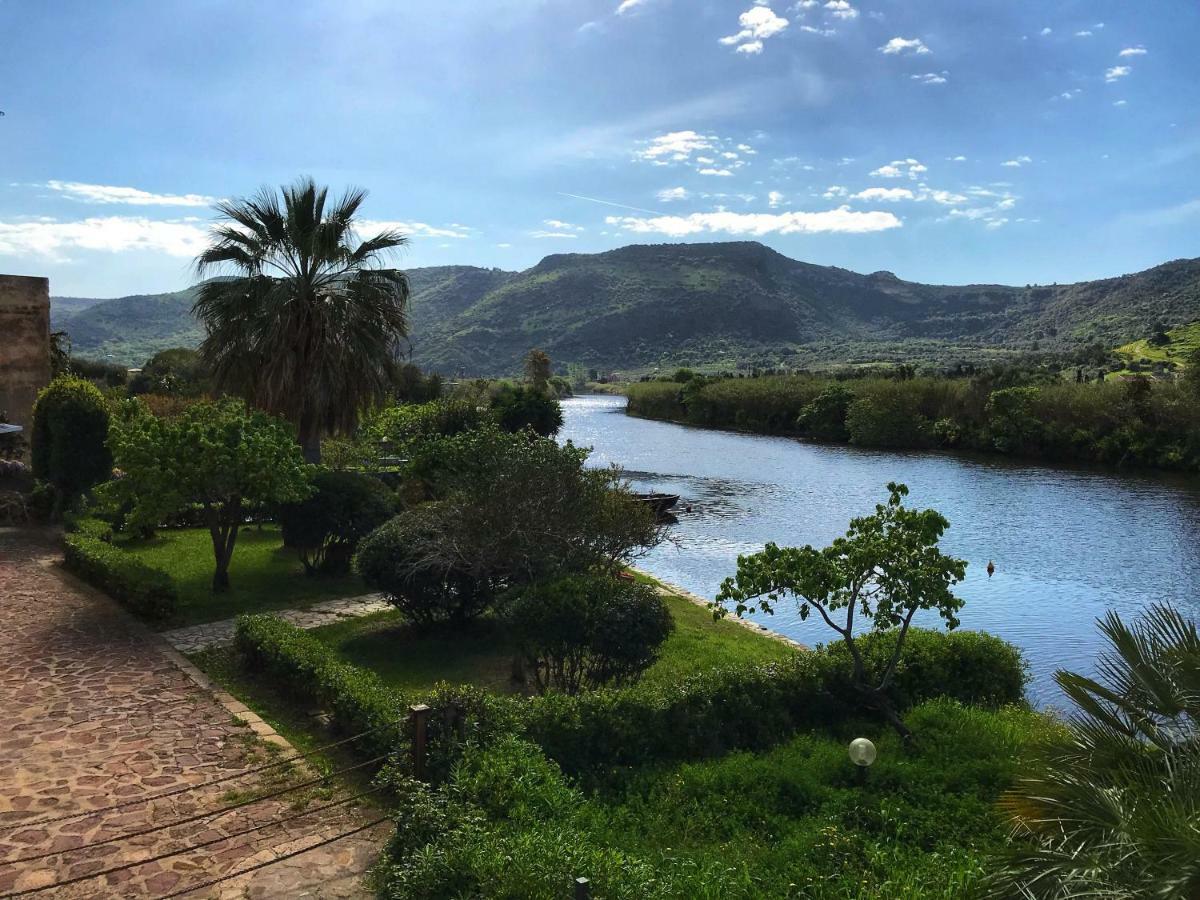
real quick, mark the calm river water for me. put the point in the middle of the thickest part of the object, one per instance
(1068, 544)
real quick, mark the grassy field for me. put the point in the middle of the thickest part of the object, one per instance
(1184, 340)
(264, 576)
(481, 654)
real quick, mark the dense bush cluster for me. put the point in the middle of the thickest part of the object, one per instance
(325, 529)
(68, 440)
(587, 631)
(1136, 422)
(709, 714)
(90, 555)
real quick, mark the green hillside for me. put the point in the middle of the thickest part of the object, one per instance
(728, 304)
(1181, 342)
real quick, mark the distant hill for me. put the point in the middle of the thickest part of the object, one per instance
(696, 304)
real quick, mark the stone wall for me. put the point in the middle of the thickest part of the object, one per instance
(24, 344)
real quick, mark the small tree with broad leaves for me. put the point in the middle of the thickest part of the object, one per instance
(220, 457)
(886, 568)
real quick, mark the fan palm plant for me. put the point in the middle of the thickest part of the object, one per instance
(310, 322)
(1112, 807)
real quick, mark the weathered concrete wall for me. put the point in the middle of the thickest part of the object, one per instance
(24, 344)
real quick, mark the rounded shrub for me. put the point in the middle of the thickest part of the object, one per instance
(518, 408)
(409, 560)
(588, 631)
(325, 529)
(68, 443)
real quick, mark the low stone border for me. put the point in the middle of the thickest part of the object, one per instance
(670, 590)
(194, 638)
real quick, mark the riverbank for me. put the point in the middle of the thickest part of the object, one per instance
(1118, 425)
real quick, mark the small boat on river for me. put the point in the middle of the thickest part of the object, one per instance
(660, 503)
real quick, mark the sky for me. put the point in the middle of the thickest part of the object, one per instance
(947, 141)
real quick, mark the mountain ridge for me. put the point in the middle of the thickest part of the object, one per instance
(727, 303)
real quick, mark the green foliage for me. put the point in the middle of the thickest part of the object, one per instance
(423, 564)
(584, 632)
(1111, 804)
(220, 457)
(89, 553)
(401, 429)
(786, 823)
(537, 369)
(326, 527)
(176, 372)
(890, 418)
(68, 440)
(885, 569)
(310, 323)
(518, 408)
(825, 418)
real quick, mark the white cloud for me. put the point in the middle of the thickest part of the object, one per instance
(542, 235)
(668, 195)
(629, 5)
(899, 45)
(1045, 31)
(1017, 162)
(889, 195)
(841, 9)
(774, 199)
(504, 246)
(823, 32)
(1139, 50)
(412, 229)
(898, 168)
(946, 198)
(676, 145)
(1084, 33)
(1069, 95)
(722, 173)
(51, 238)
(758, 23)
(1120, 102)
(841, 220)
(1116, 73)
(560, 225)
(128, 196)
(834, 191)
(959, 158)
(698, 151)
(930, 78)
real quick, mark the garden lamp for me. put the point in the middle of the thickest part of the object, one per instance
(862, 754)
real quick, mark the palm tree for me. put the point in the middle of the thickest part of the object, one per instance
(310, 324)
(1112, 805)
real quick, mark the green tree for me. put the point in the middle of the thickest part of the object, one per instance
(886, 568)
(67, 443)
(309, 324)
(1112, 802)
(537, 369)
(517, 408)
(178, 372)
(325, 528)
(220, 457)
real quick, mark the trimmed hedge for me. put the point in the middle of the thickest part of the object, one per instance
(145, 591)
(709, 714)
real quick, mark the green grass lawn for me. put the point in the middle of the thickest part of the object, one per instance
(481, 654)
(264, 576)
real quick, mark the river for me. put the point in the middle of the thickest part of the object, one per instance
(1068, 544)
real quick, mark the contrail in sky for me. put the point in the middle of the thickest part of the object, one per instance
(610, 203)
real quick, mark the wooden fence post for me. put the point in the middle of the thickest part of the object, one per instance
(420, 720)
(583, 889)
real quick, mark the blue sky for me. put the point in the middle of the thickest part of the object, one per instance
(945, 140)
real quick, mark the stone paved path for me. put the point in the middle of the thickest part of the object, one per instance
(215, 634)
(92, 712)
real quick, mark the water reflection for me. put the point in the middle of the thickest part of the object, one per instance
(1068, 544)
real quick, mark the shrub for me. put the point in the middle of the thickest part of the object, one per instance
(145, 591)
(518, 408)
(325, 528)
(588, 631)
(421, 571)
(70, 427)
(825, 418)
(888, 421)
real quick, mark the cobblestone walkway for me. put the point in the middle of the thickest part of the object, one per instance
(93, 713)
(215, 634)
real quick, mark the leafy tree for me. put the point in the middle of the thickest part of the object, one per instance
(518, 408)
(219, 457)
(1111, 805)
(825, 418)
(67, 443)
(309, 325)
(537, 369)
(177, 372)
(1191, 373)
(325, 528)
(588, 631)
(886, 568)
